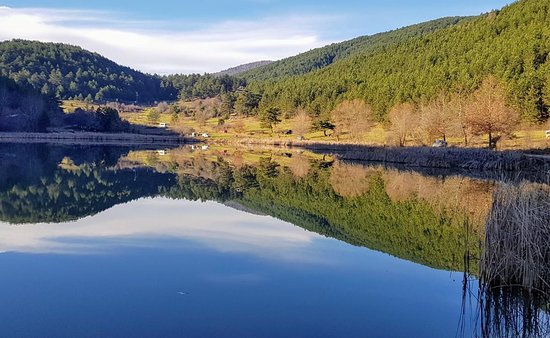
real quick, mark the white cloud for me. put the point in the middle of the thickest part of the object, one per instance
(152, 47)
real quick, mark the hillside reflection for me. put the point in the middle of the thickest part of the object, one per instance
(494, 230)
(428, 220)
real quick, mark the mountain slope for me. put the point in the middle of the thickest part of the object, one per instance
(325, 56)
(242, 68)
(512, 44)
(69, 72)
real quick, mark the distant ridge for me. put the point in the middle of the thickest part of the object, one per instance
(243, 68)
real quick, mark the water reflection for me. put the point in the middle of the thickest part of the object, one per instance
(428, 220)
(280, 205)
(140, 222)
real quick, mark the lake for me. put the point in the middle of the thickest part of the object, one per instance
(229, 242)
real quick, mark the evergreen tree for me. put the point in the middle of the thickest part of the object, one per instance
(270, 118)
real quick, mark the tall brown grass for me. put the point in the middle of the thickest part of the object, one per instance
(514, 278)
(517, 244)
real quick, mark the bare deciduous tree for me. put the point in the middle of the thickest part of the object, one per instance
(201, 116)
(238, 126)
(350, 180)
(488, 113)
(33, 108)
(162, 107)
(300, 165)
(354, 117)
(457, 107)
(301, 123)
(403, 120)
(436, 119)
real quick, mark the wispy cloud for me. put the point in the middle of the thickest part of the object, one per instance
(167, 47)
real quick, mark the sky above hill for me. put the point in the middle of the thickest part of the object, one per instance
(170, 36)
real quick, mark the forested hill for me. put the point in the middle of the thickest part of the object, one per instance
(512, 44)
(242, 68)
(23, 109)
(71, 72)
(325, 56)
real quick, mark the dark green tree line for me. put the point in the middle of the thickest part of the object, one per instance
(66, 71)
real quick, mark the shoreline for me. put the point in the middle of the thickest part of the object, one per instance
(413, 157)
(441, 158)
(93, 138)
(421, 157)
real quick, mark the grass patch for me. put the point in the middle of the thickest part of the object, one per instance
(237, 128)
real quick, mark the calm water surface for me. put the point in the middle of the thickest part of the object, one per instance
(103, 242)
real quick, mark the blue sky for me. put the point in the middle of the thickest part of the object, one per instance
(209, 35)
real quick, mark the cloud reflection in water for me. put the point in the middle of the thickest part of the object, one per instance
(150, 221)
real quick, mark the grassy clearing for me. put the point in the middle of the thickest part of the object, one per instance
(237, 129)
(70, 106)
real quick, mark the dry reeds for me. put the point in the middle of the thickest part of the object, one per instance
(514, 290)
(445, 158)
(517, 244)
(418, 157)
